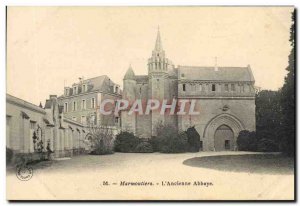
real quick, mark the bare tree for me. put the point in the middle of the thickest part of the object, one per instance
(102, 139)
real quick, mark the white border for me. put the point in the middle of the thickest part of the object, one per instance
(5, 3)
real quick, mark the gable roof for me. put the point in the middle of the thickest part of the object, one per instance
(96, 82)
(211, 74)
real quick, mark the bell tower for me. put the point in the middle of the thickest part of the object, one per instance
(158, 67)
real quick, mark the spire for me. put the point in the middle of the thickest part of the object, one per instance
(158, 44)
(130, 73)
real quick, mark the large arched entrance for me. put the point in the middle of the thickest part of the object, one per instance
(224, 138)
(222, 127)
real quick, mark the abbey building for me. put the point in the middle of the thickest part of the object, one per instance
(225, 99)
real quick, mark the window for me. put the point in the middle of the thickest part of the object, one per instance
(226, 88)
(200, 87)
(116, 120)
(213, 88)
(67, 91)
(227, 144)
(84, 88)
(66, 107)
(183, 87)
(232, 87)
(83, 119)
(182, 75)
(74, 106)
(32, 125)
(93, 120)
(74, 90)
(8, 118)
(93, 103)
(243, 88)
(83, 104)
(74, 118)
(201, 146)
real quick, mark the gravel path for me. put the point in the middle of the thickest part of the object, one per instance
(153, 176)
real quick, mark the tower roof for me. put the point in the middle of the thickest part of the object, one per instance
(158, 44)
(129, 74)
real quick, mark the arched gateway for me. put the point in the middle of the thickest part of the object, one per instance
(221, 132)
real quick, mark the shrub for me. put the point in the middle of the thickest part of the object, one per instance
(170, 141)
(126, 142)
(247, 141)
(154, 141)
(144, 147)
(193, 139)
(9, 155)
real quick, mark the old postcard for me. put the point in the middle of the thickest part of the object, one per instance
(150, 103)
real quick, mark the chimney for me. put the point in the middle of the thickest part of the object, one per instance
(52, 96)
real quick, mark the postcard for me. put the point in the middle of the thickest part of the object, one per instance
(150, 103)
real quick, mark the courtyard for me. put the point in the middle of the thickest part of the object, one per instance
(192, 176)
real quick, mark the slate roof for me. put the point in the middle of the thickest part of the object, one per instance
(221, 74)
(96, 82)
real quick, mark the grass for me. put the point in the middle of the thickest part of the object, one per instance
(249, 163)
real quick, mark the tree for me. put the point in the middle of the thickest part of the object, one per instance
(193, 139)
(101, 138)
(268, 116)
(287, 100)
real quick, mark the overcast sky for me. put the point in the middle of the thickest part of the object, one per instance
(49, 47)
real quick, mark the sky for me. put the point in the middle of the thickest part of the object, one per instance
(51, 47)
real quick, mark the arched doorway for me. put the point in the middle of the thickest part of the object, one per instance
(223, 119)
(224, 138)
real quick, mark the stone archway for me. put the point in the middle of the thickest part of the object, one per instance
(231, 122)
(224, 138)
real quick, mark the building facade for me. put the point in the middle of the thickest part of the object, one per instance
(224, 96)
(81, 102)
(31, 128)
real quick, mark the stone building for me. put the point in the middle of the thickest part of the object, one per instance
(30, 128)
(225, 98)
(81, 102)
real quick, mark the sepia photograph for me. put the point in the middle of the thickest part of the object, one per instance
(150, 103)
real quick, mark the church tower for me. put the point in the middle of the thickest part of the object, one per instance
(129, 93)
(158, 67)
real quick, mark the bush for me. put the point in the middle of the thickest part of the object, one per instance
(170, 141)
(126, 142)
(154, 141)
(193, 139)
(267, 145)
(9, 155)
(144, 147)
(247, 141)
